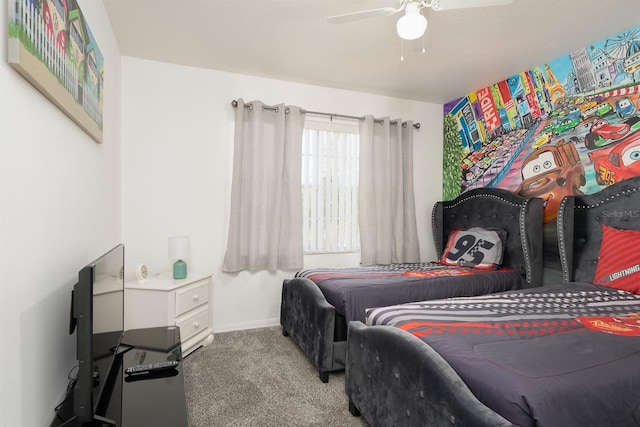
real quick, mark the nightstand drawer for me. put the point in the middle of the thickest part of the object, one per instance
(192, 296)
(193, 323)
(162, 300)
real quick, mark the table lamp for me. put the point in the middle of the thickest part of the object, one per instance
(179, 249)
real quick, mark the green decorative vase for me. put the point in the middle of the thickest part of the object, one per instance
(180, 270)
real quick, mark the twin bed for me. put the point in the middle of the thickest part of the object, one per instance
(562, 354)
(317, 305)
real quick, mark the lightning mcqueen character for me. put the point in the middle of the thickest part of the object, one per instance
(603, 133)
(618, 161)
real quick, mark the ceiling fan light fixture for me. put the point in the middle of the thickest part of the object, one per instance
(412, 25)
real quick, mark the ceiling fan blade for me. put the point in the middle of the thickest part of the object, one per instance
(365, 14)
(462, 4)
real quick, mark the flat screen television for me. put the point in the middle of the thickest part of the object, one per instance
(97, 316)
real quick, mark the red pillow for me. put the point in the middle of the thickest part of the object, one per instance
(619, 260)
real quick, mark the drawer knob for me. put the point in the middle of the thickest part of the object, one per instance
(196, 297)
(196, 325)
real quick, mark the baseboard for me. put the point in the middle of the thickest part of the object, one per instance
(246, 325)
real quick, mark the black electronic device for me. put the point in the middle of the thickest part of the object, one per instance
(97, 317)
(151, 367)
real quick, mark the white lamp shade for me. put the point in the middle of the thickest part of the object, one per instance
(179, 247)
(412, 25)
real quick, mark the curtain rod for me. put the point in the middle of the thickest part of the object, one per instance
(234, 104)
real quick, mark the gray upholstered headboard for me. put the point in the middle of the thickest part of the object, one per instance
(580, 220)
(521, 217)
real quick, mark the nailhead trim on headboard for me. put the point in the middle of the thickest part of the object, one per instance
(523, 239)
(493, 196)
(433, 229)
(561, 241)
(608, 199)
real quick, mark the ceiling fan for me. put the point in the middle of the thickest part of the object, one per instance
(413, 24)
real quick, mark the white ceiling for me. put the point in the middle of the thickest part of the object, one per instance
(467, 49)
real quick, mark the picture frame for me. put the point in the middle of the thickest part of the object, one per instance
(51, 45)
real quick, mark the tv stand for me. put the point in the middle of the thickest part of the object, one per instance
(153, 399)
(96, 419)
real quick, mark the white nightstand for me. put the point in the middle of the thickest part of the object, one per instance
(162, 300)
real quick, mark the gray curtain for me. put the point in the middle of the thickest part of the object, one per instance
(265, 227)
(388, 232)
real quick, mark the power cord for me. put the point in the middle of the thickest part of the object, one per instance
(72, 376)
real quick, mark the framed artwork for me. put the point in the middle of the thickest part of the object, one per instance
(51, 45)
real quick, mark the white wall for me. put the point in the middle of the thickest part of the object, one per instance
(65, 199)
(59, 208)
(177, 127)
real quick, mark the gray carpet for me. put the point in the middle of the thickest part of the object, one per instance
(259, 377)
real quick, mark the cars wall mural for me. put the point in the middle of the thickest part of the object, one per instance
(569, 126)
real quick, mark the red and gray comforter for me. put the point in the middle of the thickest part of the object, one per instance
(352, 290)
(563, 355)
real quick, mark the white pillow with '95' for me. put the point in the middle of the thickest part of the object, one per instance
(475, 247)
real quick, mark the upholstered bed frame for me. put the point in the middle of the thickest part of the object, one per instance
(394, 378)
(312, 322)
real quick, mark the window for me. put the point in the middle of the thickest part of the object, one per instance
(330, 152)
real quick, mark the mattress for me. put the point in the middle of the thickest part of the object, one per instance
(352, 290)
